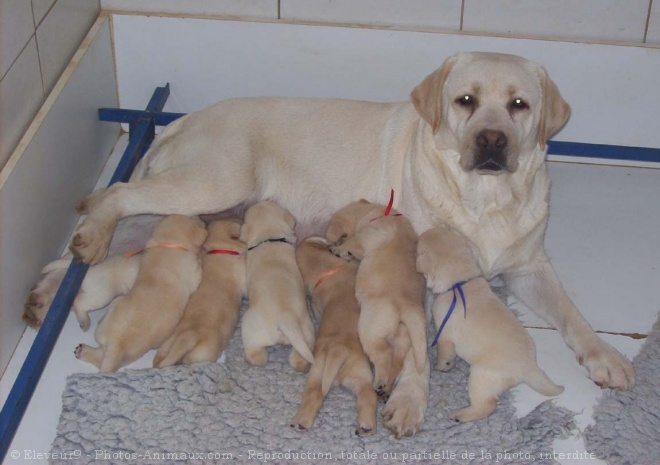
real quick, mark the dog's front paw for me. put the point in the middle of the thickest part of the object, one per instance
(91, 241)
(301, 424)
(78, 351)
(341, 252)
(404, 413)
(607, 367)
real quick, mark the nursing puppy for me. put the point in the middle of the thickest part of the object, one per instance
(277, 313)
(338, 355)
(211, 315)
(388, 287)
(142, 319)
(102, 283)
(488, 336)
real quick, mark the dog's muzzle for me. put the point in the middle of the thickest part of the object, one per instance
(490, 151)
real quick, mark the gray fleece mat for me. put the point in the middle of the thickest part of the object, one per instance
(210, 413)
(627, 426)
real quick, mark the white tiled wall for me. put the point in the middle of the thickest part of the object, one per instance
(439, 14)
(37, 39)
(583, 20)
(610, 20)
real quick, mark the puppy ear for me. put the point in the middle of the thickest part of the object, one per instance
(363, 201)
(290, 219)
(427, 96)
(245, 232)
(554, 112)
(424, 263)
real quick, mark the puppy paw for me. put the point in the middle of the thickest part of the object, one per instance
(607, 367)
(91, 241)
(463, 415)
(445, 365)
(41, 296)
(364, 430)
(78, 351)
(257, 357)
(341, 252)
(301, 424)
(403, 414)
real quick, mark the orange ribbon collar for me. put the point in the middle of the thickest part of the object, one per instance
(327, 274)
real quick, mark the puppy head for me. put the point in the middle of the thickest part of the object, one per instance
(444, 257)
(349, 219)
(225, 234)
(188, 231)
(267, 220)
(491, 108)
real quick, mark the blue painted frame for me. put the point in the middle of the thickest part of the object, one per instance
(141, 133)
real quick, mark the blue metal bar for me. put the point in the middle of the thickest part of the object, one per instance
(609, 152)
(129, 116)
(35, 362)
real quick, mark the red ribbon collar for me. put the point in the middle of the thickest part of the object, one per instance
(388, 209)
(222, 251)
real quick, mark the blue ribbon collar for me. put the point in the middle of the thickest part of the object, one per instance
(456, 288)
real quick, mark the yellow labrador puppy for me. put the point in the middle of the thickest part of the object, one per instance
(388, 288)
(145, 317)
(473, 323)
(102, 283)
(211, 315)
(277, 313)
(338, 355)
(468, 149)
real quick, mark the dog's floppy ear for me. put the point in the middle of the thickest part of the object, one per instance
(554, 112)
(427, 97)
(424, 262)
(290, 219)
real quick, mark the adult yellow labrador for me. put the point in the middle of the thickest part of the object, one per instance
(469, 151)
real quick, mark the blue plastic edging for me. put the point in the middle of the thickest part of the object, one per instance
(35, 362)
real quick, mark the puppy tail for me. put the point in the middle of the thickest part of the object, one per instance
(415, 322)
(173, 350)
(291, 328)
(538, 380)
(334, 360)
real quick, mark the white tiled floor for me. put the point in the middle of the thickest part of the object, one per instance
(601, 238)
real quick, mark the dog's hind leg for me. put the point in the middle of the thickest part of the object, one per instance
(446, 355)
(183, 190)
(359, 383)
(401, 344)
(93, 355)
(484, 388)
(312, 399)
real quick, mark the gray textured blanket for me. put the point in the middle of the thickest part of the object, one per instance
(627, 427)
(214, 412)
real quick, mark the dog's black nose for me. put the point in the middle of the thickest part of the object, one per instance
(491, 141)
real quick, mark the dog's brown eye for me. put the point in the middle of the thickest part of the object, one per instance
(466, 101)
(518, 104)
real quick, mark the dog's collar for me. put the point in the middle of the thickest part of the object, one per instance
(388, 209)
(458, 287)
(279, 239)
(157, 246)
(223, 252)
(327, 274)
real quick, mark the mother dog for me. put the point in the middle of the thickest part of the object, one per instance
(469, 151)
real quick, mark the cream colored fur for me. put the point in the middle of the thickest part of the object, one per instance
(488, 336)
(145, 317)
(338, 355)
(211, 316)
(313, 156)
(388, 287)
(277, 311)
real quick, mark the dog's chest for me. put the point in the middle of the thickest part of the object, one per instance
(505, 239)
